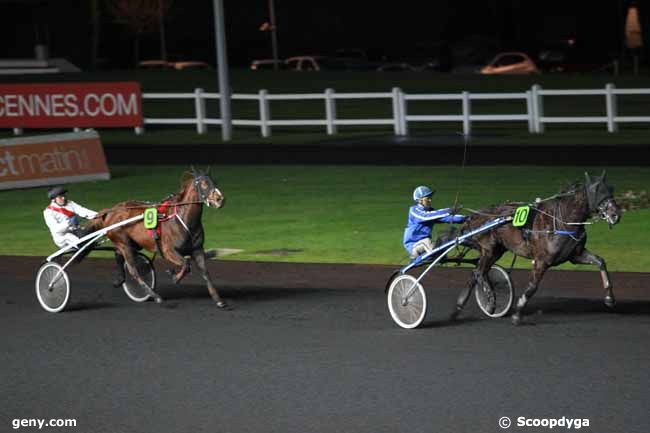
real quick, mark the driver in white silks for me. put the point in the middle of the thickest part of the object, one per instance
(417, 234)
(61, 217)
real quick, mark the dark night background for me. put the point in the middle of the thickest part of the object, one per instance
(392, 29)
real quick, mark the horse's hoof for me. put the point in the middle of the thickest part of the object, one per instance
(490, 307)
(516, 319)
(222, 304)
(172, 275)
(454, 315)
(158, 299)
(610, 302)
(490, 300)
(117, 282)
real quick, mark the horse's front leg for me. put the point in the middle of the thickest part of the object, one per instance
(199, 257)
(539, 268)
(589, 258)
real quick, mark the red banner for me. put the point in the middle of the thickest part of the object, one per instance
(51, 159)
(70, 105)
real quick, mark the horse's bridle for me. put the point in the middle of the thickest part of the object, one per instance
(601, 210)
(204, 194)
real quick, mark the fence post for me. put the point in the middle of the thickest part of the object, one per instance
(330, 111)
(265, 113)
(538, 103)
(530, 110)
(396, 116)
(467, 108)
(199, 108)
(610, 96)
(404, 126)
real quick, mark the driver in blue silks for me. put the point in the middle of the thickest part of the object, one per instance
(417, 234)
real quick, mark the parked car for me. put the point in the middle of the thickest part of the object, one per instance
(354, 59)
(351, 54)
(510, 63)
(313, 63)
(430, 56)
(397, 67)
(180, 65)
(571, 57)
(154, 64)
(190, 64)
(266, 64)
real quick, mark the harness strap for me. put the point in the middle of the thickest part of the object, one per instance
(65, 212)
(551, 232)
(155, 233)
(162, 209)
(183, 223)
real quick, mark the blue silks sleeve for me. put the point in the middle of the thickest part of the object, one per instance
(453, 219)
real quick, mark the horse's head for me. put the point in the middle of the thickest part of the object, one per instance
(600, 197)
(206, 189)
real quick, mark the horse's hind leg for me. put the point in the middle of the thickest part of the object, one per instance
(589, 258)
(539, 268)
(479, 281)
(129, 258)
(199, 258)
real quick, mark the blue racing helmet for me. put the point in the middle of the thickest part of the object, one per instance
(421, 192)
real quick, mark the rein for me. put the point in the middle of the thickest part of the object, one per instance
(523, 203)
(180, 203)
(146, 206)
(459, 183)
(554, 217)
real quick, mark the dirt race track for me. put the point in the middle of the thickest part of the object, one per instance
(312, 348)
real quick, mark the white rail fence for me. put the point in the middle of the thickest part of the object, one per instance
(533, 115)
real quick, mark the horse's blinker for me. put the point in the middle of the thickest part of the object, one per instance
(597, 191)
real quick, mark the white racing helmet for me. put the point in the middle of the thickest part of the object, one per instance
(421, 192)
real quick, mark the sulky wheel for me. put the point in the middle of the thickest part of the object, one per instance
(146, 271)
(52, 287)
(407, 301)
(496, 303)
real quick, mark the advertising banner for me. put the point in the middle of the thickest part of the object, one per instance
(52, 159)
(71, 105)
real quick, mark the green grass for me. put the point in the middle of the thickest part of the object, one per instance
(291, 82)
(332, 214)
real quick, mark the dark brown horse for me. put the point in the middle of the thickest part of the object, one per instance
(553, 234)
(181, 232)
